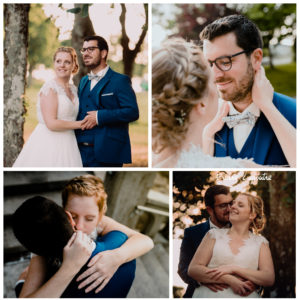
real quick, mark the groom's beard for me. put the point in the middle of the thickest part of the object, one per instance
(223, 219)
(242, 88)
(94, 64)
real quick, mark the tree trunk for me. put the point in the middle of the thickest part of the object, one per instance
(128, 54)
(282, 234)
(83, 27)
(15, 64)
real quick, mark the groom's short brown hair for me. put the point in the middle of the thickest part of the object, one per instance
(247, 34)
(102, 43)
(213, 191)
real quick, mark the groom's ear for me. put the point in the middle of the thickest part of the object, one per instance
(103, 53)
(72, 222)
(256, 58)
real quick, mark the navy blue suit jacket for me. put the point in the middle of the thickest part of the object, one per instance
(265, 148)
(190, 243)
(116, 104)
(119, 285)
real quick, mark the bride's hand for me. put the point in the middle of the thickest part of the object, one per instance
(240, 287)
(217, 122)
(101, 269)
(262, 91)
(77, 251)
(216, 273)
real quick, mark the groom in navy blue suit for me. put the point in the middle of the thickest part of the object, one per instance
(233, 47)
(217, 201)
(107, 104)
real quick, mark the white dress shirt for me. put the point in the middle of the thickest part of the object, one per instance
(242, 131)
(101, 74)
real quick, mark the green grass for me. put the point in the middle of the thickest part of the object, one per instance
(283, 79)
(138, 130)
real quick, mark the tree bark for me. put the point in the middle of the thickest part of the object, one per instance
(15, 64)
(281, 225)
(83, 27)
(128, 54)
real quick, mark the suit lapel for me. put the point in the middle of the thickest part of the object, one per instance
(83, 83)
(102, 83)
(263, 140)
(221, 142)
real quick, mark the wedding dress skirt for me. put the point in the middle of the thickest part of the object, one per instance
(247, 257)
(48, 148)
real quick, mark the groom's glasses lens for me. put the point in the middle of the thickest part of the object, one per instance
(224, 63)
(88, 49)
(225, 205)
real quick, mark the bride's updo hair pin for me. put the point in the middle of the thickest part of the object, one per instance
(73, 54)
(256, 206)
(179, 81)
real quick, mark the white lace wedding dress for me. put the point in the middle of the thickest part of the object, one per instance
(47, 148)
(195, 158)
(247, 257)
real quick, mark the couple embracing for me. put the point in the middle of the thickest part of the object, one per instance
(99, 113)
(226, 257)
(216, 107)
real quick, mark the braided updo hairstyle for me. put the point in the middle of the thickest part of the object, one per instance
(256, 206)
(179, 81)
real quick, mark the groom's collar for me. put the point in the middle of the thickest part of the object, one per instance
(251, 108)
(212, 225)
(102, 72)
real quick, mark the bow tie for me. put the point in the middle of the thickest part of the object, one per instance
(245, 118)
(92, 76)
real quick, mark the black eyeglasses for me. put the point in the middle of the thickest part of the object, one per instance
(224, 205)
(88, 49)
(224, 63)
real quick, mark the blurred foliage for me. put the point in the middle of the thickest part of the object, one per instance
(283, 79)
(43, 38)
(275, 21)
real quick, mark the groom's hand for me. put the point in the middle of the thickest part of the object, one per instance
(90, 120)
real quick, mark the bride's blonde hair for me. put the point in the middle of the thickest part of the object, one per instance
(256, 206)
(179, 81)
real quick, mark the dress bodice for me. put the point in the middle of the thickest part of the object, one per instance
(246, 257)
(67, 109)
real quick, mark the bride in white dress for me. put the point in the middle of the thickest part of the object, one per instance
(53, 142)
(236, 256)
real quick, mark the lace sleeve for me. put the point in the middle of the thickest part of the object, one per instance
(212, 233)
(47, 86)
(259, 240)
